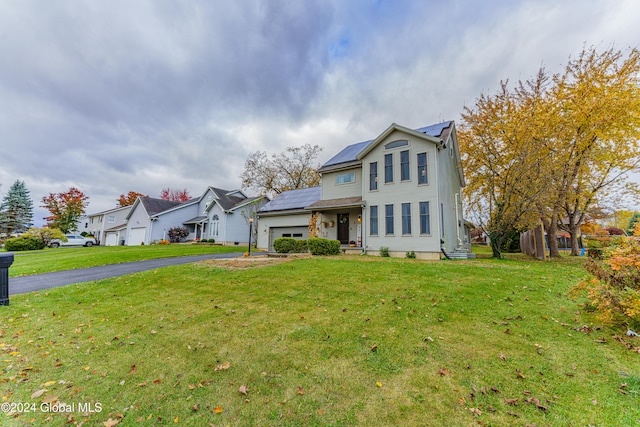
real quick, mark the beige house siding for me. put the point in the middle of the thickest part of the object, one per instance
(333, 190)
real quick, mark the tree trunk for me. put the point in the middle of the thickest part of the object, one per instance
(573, 233)
(552, 236)
(496, 244)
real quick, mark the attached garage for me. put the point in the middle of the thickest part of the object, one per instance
(136, 236)
(111, 239)
(300, 233)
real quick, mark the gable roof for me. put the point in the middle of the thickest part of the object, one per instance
(152, 206)
(352, 154)
(155, 206)
(292, 200)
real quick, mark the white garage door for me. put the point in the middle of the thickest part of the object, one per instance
(295, 232)
(111, 240)
(136, 236)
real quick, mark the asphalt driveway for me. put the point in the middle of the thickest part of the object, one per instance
(39, 282)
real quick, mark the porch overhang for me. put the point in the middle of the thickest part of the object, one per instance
(336, 204)
(196, 220)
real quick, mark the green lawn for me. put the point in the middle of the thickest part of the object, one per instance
(320, 341)
(48, 260)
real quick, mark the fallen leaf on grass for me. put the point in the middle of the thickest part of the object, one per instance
(475, 411)
(38, 393)
(444, 372)
(378, 384)
(224, 366)
(133, 369)
(503, 357)
(513, 401)
(243, 390)
(218, 410)
(520, 374)
(300, 390)
(111, 423)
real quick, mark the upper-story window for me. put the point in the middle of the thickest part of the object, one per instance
(423, 175)
(388, 168)
(111, 219)
(346, 178)
(373, 176)
(404, 166)
(396, 144)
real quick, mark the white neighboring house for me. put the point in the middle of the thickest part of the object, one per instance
(217, 214)
(401, 190)
(105, 225)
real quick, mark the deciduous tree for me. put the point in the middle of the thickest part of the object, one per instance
(554, 144)
(66, 209)
(129, 198)
(503, 163)
(175, 195)
(270, 175)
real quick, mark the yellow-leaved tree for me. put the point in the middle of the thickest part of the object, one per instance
(554, 147)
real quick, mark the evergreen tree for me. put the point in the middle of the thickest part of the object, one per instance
(16, 210)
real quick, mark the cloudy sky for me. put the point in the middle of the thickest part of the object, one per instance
(114, 96)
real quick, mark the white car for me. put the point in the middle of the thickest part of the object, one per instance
(73, 240)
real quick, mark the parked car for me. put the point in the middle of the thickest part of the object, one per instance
(73, 240)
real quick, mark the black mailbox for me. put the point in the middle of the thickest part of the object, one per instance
(6, 259)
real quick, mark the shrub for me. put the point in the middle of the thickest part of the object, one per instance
(411, 255)
(320, 246)
(45, 235)
(300, 246)
(284, 245)
(212, 240)
(384, 251)
(614, 291)
(176, 234)
(164, 242)
(23, 244)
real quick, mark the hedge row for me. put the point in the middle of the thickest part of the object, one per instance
(23, 244)
(315, 245)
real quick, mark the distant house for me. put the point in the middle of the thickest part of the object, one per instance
(401, 190)
(105, 226)
(217, 214)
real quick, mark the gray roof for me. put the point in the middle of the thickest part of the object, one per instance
(351, 152)
(155, 206)
(292, 200)
(228, 202)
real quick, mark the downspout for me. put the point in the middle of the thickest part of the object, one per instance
(363, 229)
(438, 209)
(457, 196)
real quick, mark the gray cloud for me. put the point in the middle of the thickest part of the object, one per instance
(141, 95)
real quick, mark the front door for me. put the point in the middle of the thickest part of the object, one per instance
(343, 228)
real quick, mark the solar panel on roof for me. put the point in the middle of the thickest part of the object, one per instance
(434, 130)
(350, 153)
(294, 199)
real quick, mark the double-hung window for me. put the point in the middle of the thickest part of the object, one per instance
(425, 225)
(406, 218)
(423, 176)
(388, 168)
(373, 221)
(373, 176)
(388, 219)
(404, 166)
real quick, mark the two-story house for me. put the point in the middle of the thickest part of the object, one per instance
(401, 190)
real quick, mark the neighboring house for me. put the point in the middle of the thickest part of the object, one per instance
(105, 226)
(217, 214)
(401, 190)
